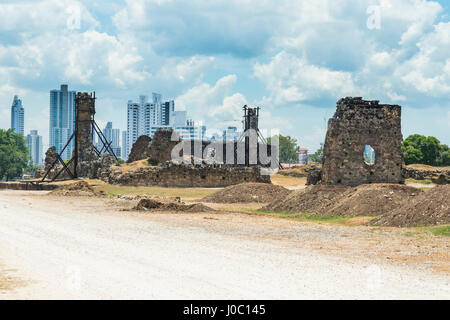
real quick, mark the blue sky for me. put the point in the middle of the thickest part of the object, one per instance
(294, 59)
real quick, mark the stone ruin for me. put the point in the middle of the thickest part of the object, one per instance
(140, 148)
(158, 149)
(166, 145)
(169, 174)
(85, 105)
(171, 161)
(356, 125)
(89, 165)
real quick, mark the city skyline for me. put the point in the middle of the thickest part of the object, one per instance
(143, 118)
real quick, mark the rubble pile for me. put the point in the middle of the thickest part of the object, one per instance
(247, 193)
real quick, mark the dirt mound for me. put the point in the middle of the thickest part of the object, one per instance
(314, 199)
(157, 205)
(371, 199)
(429, 208)
(249, 192)
(77, 189)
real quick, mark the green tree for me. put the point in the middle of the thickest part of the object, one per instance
(318, 155)
(13, 154)
(288, 147)
(444, 156)
(425, 150)
(412, 155)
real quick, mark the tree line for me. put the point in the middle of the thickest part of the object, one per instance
(14, 155)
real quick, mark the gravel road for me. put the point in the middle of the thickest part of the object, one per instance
(88, 250)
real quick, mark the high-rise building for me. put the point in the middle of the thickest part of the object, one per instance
(144, 118)
(124, 154)
(143, 115)
(34, 145)
(62, 118)
(167, 108)
(133, 117)
(112, 136)
(231, 134)
(17, 116)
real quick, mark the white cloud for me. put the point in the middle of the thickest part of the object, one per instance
(289, 78)
(213, 103)
(185, 70)
(429, 70)
(77, 58)
(40, 16)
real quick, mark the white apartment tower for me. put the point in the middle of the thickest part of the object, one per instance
(144, 116)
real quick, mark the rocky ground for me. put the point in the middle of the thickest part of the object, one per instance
(88, 241)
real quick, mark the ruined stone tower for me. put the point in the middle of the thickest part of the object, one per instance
(356, 125)
(85, 108)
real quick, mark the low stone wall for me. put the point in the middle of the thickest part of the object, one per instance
(436, 176)
(173, 175)
(26, 186)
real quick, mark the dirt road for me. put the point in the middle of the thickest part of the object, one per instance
(68, 248)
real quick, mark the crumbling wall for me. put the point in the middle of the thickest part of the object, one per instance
(163, 142)
(181, 175)
(438, 176)
(166, 145)
(355, 124)
(140, 149)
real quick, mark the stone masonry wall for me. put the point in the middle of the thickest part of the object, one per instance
(85, 104)
(355, 124)
(174, 175)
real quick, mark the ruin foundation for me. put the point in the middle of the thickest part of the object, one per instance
(182, 175)
(355, 124)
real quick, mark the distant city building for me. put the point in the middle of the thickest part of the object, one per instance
(189, 131)
(123, 153)
(62, 117)
(302, 155)
(178, 118)
(108, 132)
(133, 123)
(34, 145)
(231, 134)
(144, 117)
(17, 116)
(112, 136)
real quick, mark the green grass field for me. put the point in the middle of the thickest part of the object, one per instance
(183, 193)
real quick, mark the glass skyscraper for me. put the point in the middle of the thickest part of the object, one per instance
(17, 116)
(62, 119)
(34, 144)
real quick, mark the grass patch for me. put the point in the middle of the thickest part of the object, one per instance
(424, 181)
(421, 232)
(439, 231)
(184, 193)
